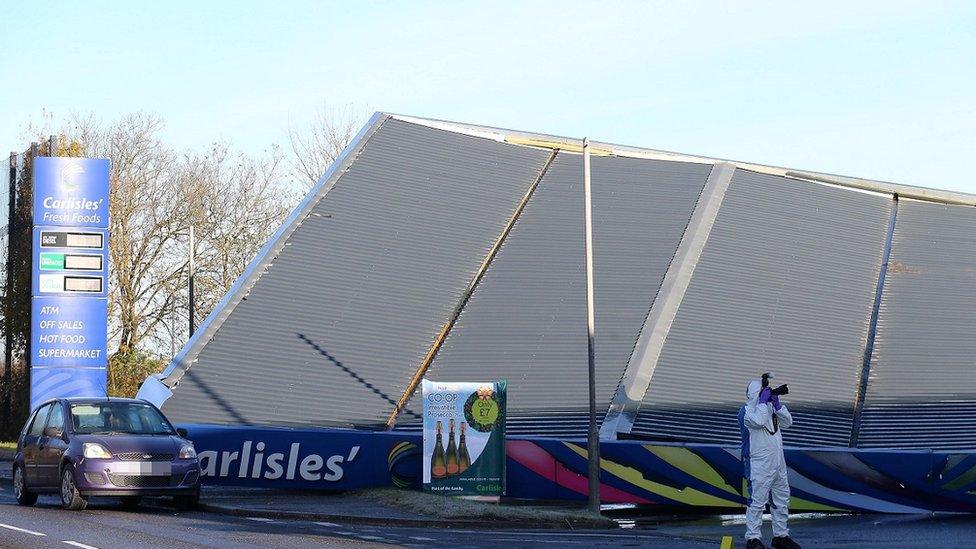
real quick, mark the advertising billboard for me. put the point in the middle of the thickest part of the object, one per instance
(464, 438)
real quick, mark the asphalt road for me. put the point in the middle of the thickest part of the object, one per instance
(840, 531)
(104, 525)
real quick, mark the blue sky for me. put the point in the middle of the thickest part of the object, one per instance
(873, 89)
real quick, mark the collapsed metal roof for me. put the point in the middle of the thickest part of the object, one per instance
(455, 251)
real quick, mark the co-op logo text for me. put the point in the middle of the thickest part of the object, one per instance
(438, 398)
(257, 464)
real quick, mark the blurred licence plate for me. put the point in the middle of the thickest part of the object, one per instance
(142, 468)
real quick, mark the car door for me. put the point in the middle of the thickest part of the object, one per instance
(51, 447)
(31, 441)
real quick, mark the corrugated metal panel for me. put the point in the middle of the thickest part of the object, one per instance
(568, 424)
(526, 321)
(653, 333)
(334, 329)
(786, 283)
(922, 387)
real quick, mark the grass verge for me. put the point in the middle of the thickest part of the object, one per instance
(445, 507)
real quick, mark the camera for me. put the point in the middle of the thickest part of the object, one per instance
(779, 391)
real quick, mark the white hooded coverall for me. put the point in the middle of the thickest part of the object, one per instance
(762, 456)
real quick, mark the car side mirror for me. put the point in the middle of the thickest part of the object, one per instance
(52, 432)
(182, 432)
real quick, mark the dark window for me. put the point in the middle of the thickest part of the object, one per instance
(56, 419)
(119, 417)
(37, 428)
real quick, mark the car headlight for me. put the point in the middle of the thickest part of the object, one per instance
(95, 450)
(188, 452)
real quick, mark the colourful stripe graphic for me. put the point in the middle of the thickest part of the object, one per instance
(668, 475)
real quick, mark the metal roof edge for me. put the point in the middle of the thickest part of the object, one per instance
(180, 363)
(574, 145)
(903, 191)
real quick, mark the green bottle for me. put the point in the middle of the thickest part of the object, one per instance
(463, 460)
(452, 452)
(438, 469)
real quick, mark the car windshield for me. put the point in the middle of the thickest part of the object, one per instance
(119, 417)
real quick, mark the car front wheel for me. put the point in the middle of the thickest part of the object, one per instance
(71, 498)
(23, 495)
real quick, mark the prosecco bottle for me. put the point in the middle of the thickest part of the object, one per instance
(452, 452)
(438, 469)
(463, 460)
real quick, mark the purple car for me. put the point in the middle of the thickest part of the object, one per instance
(81, 447)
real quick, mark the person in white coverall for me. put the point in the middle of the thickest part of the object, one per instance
(760, 422)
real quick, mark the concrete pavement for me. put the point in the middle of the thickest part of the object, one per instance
(393, 507)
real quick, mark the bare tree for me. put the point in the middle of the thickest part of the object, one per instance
(316, 145)
(237, 201)
(148, 215)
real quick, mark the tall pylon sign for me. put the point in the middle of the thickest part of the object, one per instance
(69, 285)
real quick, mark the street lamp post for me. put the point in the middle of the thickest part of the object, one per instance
(592, 440)
(191, 296)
